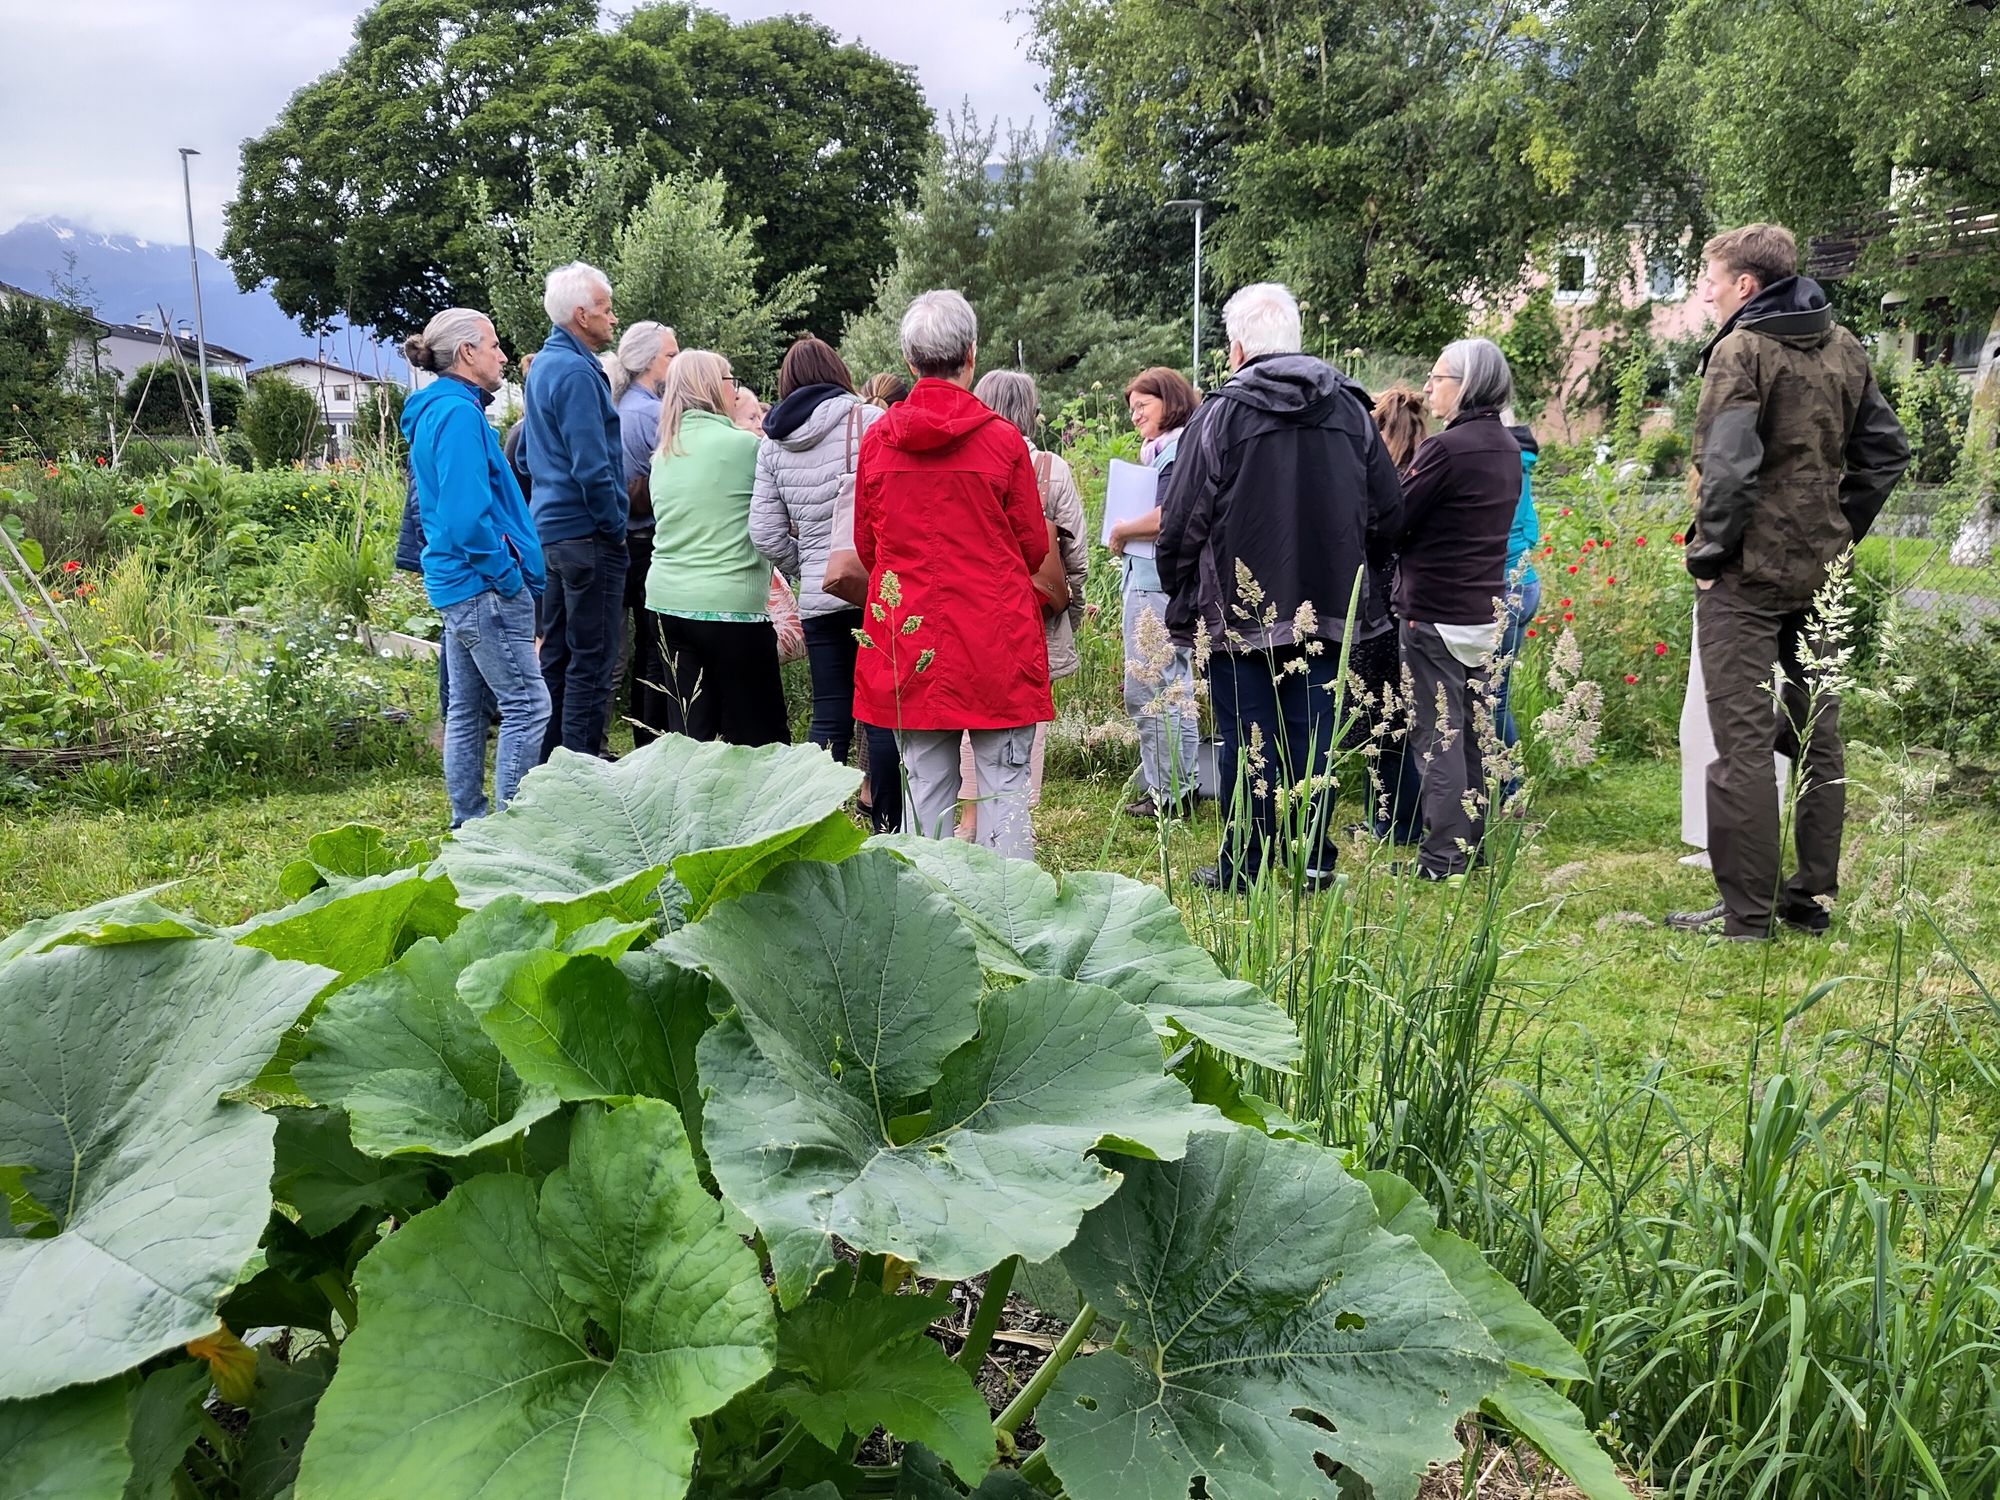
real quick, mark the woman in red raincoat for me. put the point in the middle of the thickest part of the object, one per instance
(948, 522)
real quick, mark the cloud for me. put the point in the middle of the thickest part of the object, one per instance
(115, 86)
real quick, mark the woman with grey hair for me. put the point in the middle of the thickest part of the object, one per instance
(1459, 499)
(638, 371)
(1059, 582)
(948, 523)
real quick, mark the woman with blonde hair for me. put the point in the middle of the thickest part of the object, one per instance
(708, 587)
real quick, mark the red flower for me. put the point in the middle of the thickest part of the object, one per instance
(72, 566)
(1638, 541)
(1531, 632)
(1678, 539)
(1565, 604)
(1659, 648)
(1630, 679)
(1568, 616)
(1565, 510)
(1609, 581)
(1572, 567)
(1548, 551)
(1589, 544)
(85, 590)
(100, 460)
(138, 510)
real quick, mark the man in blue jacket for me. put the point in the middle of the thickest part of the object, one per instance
(570, 440)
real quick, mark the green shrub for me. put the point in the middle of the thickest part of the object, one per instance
(1663, 453)
(282, 421)
(147, 454)
(377, 430)
(165, 398)
(1934, 404)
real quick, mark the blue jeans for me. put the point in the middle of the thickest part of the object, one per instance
(1293, 714)
(583, 620)
(1522, 603)
(830, 654)
(491, 640)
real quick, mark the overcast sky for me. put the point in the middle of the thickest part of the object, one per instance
(100, 92)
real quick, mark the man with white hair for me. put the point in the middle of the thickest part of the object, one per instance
(572, 447)
(1281, 484)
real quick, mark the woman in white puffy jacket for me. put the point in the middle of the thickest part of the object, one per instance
(812, 440)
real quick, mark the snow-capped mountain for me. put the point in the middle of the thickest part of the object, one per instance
(127, 277)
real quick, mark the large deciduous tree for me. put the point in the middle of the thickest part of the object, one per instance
(363, 199)
(1019, 239)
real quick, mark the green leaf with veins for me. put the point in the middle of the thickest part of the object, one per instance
(866, 1360)
(1103, 929)
(597, 836)
(856, 991)
(1273, 1323)
(547, 1346)
(112, 1064)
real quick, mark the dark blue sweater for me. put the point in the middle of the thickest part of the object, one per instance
(570, 440)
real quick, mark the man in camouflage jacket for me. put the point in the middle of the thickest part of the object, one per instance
(1797, 451)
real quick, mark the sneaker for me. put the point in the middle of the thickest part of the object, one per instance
(1813, 921)
(1710, 922)
(1210, 876)
(1413, 870)
(1143, 806)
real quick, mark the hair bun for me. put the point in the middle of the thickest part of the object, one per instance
(417, 352)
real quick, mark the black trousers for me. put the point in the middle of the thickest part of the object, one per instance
(1741, 635)
(646, 692)
(582, 609)
(722, 680)
(830, 656)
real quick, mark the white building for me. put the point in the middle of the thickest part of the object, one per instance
(119, 349)
(338, 390)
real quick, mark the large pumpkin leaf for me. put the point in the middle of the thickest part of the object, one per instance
(598, 836)
(352, 927)
(352, 851)
(548, 1348)
(112, 1061)
(131, 918)
(585, 1026)
(1272, 1320)
(1530, 1343)
(281, 1417)
(406, 1059)
(856, 994)
(66, 1446)
(1104, 929)
(322, 1175)
(165, 1416)
(866, 1360)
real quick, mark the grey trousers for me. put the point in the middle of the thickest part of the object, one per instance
(1159, 696)
(1000, 765)
(1447, 749)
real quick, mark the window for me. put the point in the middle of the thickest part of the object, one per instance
(340, 392)
(1664, 282)
(1576, 275)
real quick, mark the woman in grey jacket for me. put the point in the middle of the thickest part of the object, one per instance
(812, 440)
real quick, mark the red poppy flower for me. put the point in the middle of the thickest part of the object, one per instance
(1677, 538)
(138, 510)
(1565, 604)
(1630, 679)
(1548, 551)
(1567, 615)
(1638, 541)
(1609, 581)
(1572, 567)
(100, 460)
(1531, 632)
(72, 566)
(1589, 544)
(1659, 648)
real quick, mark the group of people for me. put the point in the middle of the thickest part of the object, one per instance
(1304, 531)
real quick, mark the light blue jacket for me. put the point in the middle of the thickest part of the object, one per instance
(571, 443)
(477, 535)
(1527, 529)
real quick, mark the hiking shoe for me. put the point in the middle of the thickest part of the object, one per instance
(1149, 807)
(1711, 922)
(1813, 921)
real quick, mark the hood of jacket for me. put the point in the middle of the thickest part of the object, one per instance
(936, 415)
(786, 422)
(445, 388)
(1525, 436)
(1297, 386)
(1794, 311)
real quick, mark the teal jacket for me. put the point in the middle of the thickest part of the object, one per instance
(477, 535)
(1527, 528)
(704, 562)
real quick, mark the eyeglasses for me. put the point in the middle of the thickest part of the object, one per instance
(1439, 377)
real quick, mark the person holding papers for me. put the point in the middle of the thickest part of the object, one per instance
(1159, 672)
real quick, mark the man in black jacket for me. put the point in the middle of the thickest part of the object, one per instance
(1280, 484)
(1797, 452)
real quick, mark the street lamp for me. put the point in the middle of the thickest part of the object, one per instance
(1195, 204)
(200, 332)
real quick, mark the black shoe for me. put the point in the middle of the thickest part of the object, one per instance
(1414, 870)
(1211, 877)
(1813, 921)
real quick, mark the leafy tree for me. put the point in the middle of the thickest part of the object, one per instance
(40, 413)
(165, 397)
(362, 199)
(677, 257)
(282, 421)
(1385, 159)
(1022, 245)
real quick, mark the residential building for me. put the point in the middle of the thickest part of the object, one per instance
(119, 349)
(338, 389)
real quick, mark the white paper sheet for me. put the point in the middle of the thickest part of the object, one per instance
(1130, 490)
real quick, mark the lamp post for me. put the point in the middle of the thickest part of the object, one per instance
(1196, 204)
(200, 332)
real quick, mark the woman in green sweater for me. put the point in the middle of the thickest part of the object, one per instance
(709, 588)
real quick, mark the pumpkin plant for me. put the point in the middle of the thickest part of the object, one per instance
(631, 1144)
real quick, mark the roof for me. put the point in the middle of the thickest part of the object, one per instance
(156, 336)
(324, 364)
(1937, 235)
